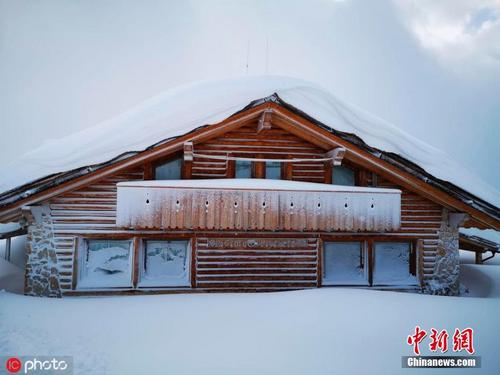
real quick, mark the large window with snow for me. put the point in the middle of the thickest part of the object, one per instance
(394, 264)
(171, 170)
(165, 263)
(105, 264)
(243, 169)
(273, 170)
(342, 175)
(344, 263)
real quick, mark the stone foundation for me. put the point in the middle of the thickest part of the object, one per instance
(447, 267)
(42, 274)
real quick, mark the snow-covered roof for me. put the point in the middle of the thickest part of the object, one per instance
(487, 234)
(9, 227)
(253, 184)
(182, 109)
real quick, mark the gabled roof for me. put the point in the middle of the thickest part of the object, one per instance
(181, 111)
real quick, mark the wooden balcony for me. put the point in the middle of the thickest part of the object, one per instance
(254, 204)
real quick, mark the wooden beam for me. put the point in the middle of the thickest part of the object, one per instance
(287, 170)
(265, 121)
(323, 138)
(14, 233)
(188, 151)
(231, 169)
(200, 135)
(149, 172)
(259, 169)
(337, 154)
(7, 249)
(328, 173)
(136, 251)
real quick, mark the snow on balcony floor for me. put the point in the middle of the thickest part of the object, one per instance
(254, 184)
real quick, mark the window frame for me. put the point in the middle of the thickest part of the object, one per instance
(141, 262)
(236, 168)
(158, 163)
(137, 247)
(366, 264)
(414, 264)
(80, 258)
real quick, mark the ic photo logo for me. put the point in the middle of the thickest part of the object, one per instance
(13, 365)
(40, 365)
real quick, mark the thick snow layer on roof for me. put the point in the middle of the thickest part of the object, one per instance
(9, 227)
(184, 108)
(254, 183)
(487, 234)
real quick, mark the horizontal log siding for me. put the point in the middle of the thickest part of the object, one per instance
(422, 219)
(91, 210)
(227, 263)
(246, 142)
(88, 210)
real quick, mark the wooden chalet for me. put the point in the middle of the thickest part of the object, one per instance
(267, 199)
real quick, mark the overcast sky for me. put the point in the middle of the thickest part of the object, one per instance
(432, 67)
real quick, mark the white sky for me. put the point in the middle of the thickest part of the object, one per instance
(430, 66)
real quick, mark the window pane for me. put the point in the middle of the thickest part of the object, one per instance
(166, 263)
(343, 176)
(392, 264)
(344, 263)
(106, 263)
(273, 170)
(243, 169)
(171, 170)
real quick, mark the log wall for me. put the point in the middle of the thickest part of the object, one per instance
(91, 211)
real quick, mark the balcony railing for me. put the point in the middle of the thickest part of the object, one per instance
(253, 204)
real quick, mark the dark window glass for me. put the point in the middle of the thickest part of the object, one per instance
(171, 170)
(243, 169)
(273, 170)
(343, 176)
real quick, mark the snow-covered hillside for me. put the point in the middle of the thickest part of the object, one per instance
(322, 331)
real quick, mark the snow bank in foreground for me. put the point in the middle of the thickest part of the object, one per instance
(11, 278)
(322, 331)
(179, 110)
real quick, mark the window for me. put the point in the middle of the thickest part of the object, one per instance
(105, 264)
(344, 263)
(343, 176)
(243, 169)
(171, 170)
(165, 263)
(273, 170)
(394, 264)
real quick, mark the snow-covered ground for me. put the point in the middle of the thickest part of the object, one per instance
(322, 331)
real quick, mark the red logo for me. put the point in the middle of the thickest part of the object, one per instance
(13, 365)
(462, 340)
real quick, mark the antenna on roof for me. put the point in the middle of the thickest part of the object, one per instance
(248, 56)
(267, 55)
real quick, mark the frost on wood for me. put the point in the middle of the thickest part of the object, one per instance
(252, 204)
(106, 264)
(166, 264)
